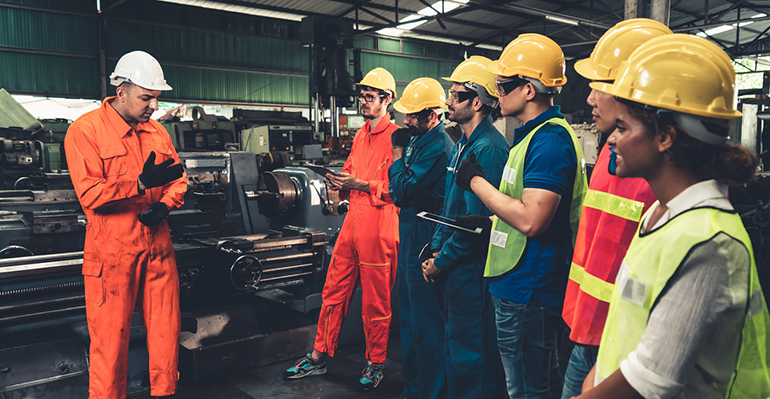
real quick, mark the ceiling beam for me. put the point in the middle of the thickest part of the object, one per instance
(374, 14)
(714, 25)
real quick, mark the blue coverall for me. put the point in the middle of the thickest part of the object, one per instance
(474, 368)
(421, 319)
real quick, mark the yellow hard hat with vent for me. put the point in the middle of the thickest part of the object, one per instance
(379, 78)
(616, 45)
(678, 72)
(534, 56)
(421, 94)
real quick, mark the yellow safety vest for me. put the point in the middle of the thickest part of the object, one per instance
(651, 260)
(506, 244)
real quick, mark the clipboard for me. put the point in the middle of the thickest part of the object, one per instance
(318, 169)
(447, 222)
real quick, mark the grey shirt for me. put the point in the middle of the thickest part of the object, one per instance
(693, 334)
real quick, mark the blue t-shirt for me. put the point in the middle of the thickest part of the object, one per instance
(540, 278)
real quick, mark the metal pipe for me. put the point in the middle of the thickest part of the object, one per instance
(38, 303)
(316, 109)
(280, 277)
(280, 269)
(70, 265)
(288, 257)
(39, 314)
(40, 258)
(631, 9)
(335, 120)
(661, 11)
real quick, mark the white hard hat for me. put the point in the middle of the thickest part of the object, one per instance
(140, 69)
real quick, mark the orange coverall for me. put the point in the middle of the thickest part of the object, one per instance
(366, 247)
(124, 260)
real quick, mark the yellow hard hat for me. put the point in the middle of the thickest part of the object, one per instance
(379, 78)
(421, 94)
(533, 56)
(474, 70)
(678, 72)
(616, 45)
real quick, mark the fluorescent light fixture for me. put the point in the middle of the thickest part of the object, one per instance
(411, 25)
(390, 32)
(239, 9)
(716, 31)
(448, 6)
(725, 28)
(562, 20)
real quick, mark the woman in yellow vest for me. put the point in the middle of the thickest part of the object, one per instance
(687, 317)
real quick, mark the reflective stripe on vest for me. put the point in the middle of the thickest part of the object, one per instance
(650, 262)
(614, 205)
(506, 244)
(591, 284)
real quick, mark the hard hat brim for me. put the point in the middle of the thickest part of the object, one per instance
(585, 69)
(609, 88)
(400, 108)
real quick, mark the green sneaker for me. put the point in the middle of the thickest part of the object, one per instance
(371, 376)
(305, 367)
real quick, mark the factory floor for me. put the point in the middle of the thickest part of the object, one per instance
(340, 382)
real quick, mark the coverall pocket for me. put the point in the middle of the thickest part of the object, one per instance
(113, 157)
(161, 148)
(93, 283)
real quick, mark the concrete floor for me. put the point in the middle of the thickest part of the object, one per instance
(340, 382)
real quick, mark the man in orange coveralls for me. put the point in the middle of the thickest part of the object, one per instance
(367, 245)
(128, 255)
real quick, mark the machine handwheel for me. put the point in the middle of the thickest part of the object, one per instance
(246, 273)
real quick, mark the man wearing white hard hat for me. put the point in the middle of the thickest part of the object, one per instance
(128, 255)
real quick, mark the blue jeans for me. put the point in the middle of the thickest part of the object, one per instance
(581, 361)
(526, 338)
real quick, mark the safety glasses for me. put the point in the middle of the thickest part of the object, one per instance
(506, 86)
(461, 96)
(419, 116)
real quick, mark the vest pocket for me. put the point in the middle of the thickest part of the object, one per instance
(93, 283)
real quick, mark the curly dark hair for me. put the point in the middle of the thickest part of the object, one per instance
(729, 164)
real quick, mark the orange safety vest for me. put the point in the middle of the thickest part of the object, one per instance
(611, 212)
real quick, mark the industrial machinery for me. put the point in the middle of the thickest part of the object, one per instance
(252, 243)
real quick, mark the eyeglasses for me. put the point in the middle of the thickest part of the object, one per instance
(506, 86)
(461, 96)
(369, 97)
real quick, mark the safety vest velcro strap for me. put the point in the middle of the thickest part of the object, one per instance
(614, 205)
(591, 284)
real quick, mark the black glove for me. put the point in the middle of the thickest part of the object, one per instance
(474, 221)
(468, 169)
(425, 200)
(157, 175)
(153, 216)
(400, 138)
